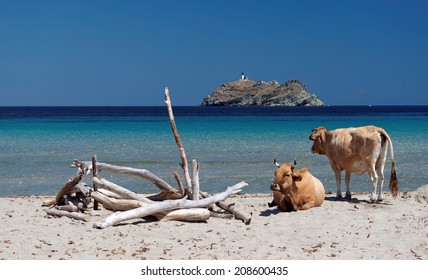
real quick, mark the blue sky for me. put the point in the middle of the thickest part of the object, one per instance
(125, 52)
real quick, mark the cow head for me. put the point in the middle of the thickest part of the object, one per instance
(284, 177)
(318, 136)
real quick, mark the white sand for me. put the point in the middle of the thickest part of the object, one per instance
(347, 230)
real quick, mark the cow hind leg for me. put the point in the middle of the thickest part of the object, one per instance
(381, 179)
(380, 165)
(348, 181)
(374, 180)
(379, 172)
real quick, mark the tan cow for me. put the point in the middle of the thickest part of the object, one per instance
(295, 189)
(356, 150)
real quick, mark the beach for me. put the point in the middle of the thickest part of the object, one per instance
(394, 229)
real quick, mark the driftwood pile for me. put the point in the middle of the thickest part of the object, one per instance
(185, 203)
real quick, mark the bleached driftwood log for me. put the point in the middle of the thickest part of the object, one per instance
(167, 205)
(109, 193)
(185, 215)
(121, 191)
(189, 215)
(61, 213)
(116, 204)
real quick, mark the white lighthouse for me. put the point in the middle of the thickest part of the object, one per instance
(243, 76)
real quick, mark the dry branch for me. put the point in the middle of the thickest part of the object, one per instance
(246, 218)
(70, 208)
(67, 188)
(167, 205)
(141, 173)
(180, 184)
(61, 213)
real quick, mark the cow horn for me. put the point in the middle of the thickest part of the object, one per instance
(294, 164)
(277, 164)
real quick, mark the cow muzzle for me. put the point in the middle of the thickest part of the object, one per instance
(275, 187)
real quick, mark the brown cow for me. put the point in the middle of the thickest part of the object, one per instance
(356, 150)
(295, 189)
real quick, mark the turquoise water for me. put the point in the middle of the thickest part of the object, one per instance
(37, 148)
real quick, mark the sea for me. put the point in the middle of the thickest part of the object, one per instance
(231, 144)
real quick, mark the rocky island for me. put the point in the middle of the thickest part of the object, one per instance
(245, 92)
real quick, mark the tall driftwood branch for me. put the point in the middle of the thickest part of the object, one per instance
(195, 180)
(95, 174)
(184, 165)
(167, 205)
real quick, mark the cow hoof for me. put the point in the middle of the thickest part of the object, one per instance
(272, 204)
(348, 196)
(339, 196)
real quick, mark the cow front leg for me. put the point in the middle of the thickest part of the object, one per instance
(348, 181)
(272, 204)
(285, 205)
(338, 179)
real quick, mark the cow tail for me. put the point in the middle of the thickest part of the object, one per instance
(393, 181)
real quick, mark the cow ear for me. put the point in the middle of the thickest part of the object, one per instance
(296, 177)
(322, 134)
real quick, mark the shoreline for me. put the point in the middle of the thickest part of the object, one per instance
(337, 230)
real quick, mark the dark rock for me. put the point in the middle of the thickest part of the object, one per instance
(250, 93)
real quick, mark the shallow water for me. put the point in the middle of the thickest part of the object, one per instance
(232, 144)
